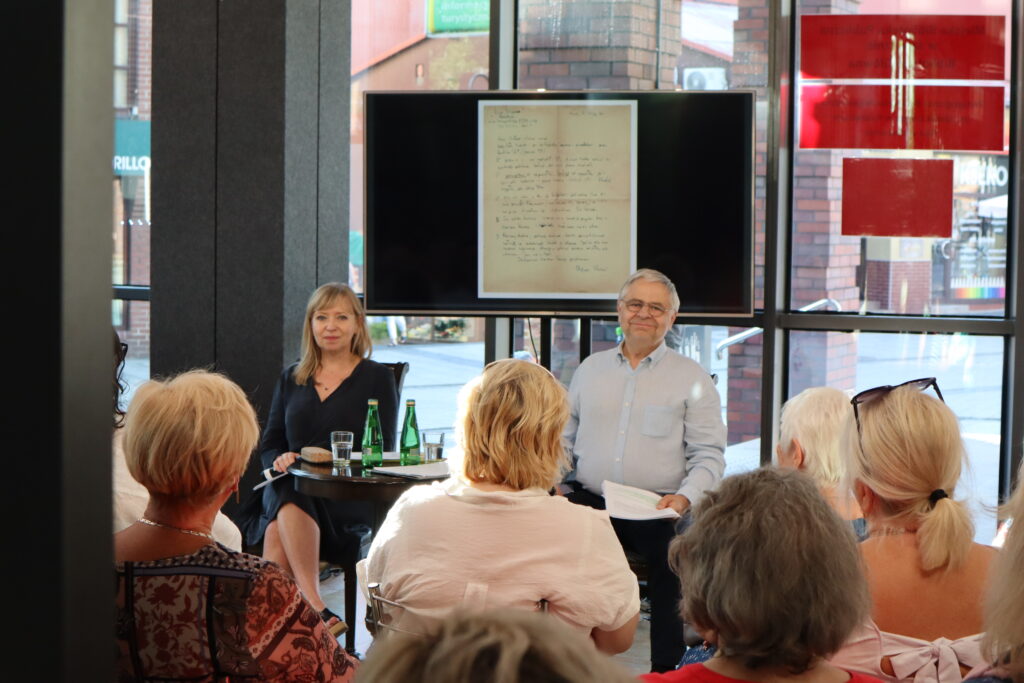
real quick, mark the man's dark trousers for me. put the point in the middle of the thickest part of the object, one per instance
(650, 539)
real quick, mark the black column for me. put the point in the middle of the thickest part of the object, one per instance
(250, 181)
(57, 558)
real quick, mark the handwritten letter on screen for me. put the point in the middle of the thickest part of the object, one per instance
(557, 198)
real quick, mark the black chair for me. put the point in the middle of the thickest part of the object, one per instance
(400, 369)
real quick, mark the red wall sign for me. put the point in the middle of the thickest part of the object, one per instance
(902, 117)
(902, 46)
(898, 197)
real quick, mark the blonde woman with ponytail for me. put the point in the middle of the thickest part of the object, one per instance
(927, 577)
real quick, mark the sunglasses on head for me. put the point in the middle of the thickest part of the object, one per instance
(869, 395)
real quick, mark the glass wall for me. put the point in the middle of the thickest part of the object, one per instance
(132, 175)
(688, 45)
(968, 369)
(414, 45)
(900, 182)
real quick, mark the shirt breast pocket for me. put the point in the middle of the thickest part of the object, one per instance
(657, 421)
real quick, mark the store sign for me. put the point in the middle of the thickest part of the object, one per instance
(898, 197)
(458, 16)
(902, 117)
(903, 46)
(991, 175)
(131, 147)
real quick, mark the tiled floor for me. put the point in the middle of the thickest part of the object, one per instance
(636, 659)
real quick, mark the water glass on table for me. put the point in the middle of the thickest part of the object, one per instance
(432, 445)
(341, 448)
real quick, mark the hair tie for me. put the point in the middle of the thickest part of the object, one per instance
(936, 496)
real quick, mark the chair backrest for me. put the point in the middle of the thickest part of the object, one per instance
(400, 369)
(378, 620)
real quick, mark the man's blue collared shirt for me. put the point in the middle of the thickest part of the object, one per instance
(657, 427)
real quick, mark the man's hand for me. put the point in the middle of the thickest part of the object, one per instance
(675, 501)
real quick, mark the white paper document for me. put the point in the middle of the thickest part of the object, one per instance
(431, 470)
(629, 502)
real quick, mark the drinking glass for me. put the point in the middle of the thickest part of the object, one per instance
(341, 448)
(432, 445)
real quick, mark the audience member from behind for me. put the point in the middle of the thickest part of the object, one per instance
(503, 646)
(770, 574)
(811, 424)
(187, 607)
(492, 535)
(131, 497)
(904, 453)
(1004, 604)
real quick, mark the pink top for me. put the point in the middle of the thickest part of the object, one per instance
(922, 661)
(448, 545)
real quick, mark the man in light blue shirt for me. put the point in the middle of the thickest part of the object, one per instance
(646, 416)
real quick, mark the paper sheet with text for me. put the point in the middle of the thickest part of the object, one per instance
(629, 502)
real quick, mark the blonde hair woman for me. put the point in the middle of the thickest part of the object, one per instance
(904, 453)
(493, 536)
(809, 440)
(1004, 603)
(189, 608)
(325, 391)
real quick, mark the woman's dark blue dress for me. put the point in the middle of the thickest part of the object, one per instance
(299, 418)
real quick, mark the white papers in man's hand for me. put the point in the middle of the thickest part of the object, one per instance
(431, 470)
(629, 502)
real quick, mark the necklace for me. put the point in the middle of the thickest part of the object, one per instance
(190, 532)
(328, 388)
(891, 531)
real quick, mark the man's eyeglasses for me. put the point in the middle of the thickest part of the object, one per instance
(636, 305)
(869, 395)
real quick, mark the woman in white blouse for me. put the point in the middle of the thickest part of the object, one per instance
(492, 535)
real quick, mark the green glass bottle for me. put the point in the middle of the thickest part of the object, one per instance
(373, 442)
(409, 448)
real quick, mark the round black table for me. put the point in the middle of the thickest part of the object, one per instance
(352, 483)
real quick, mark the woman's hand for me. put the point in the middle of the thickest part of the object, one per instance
(282, 461)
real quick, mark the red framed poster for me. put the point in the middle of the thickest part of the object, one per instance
(902, 46)
(898, 197)
(902, 117)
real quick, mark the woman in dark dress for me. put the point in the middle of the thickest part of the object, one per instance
(325, 391)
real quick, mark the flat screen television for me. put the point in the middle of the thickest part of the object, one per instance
(663, 179)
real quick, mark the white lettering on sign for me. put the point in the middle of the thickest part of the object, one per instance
(131, 164)
(983, 173)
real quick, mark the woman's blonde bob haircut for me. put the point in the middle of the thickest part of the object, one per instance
(1004, 604)
(814, 417)
(510, 423)
(909, 446)
(324, 297)
(189, 438)
(503, 646)
(770, 566)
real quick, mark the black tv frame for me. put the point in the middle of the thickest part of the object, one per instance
(695, 163)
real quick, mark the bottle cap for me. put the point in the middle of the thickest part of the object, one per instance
(410, 402)
(371, 402)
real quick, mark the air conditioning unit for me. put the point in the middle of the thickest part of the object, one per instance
(705, 78)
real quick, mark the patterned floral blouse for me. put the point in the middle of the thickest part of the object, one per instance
(217, 615)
